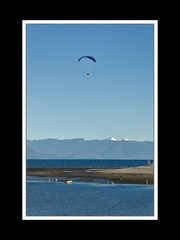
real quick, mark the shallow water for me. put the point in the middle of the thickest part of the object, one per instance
(88, 199)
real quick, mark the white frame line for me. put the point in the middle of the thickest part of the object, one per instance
(155, 23)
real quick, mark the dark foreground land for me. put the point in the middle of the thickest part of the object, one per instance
(139, 175)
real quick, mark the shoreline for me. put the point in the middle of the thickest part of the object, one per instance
(131, 175)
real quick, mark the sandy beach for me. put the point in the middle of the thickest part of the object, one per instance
(140, 175)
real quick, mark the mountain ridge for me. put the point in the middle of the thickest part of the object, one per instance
(78, 148)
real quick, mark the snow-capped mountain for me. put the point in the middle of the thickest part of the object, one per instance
(113, 139)
(79, 148)
(120, 139)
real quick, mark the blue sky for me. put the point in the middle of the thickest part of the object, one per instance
(115, 100)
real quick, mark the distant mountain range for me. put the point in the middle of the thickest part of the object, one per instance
(79, 148)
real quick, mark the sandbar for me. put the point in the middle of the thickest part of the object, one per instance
(131, 175)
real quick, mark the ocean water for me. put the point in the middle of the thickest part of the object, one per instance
(88, 199)
(84, 163)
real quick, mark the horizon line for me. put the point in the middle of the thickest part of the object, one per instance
(85, 139)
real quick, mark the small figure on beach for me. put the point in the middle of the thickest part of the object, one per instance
(57, 180)
(150, 163)
(53, 180)
(110, 182)
(49, 180)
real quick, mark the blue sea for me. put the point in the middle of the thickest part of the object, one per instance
(95, 163)
(87, 198)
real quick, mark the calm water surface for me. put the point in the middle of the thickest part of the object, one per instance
(84, 163)
(88, 199)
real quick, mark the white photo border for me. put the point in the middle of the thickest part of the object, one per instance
(24, 129)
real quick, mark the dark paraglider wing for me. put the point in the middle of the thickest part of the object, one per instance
(90, 57)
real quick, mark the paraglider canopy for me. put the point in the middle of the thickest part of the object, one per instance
(90, 57)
